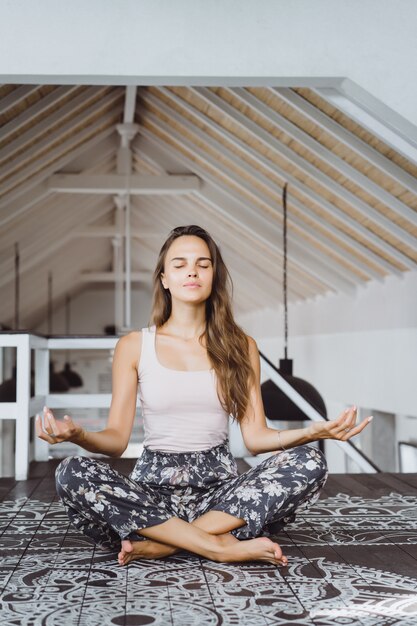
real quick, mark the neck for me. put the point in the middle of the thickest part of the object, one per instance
(186, 326)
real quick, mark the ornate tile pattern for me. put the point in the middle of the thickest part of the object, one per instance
(352, 560)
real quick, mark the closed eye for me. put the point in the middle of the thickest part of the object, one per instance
(204, 266)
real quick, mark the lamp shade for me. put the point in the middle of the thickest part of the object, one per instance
(278, 406)
(73, 379)
(8, 387)
(57, 383)
(8, 390)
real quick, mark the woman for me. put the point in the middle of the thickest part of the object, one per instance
(195, 368)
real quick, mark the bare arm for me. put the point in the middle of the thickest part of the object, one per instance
(113, 440)
(259, 438)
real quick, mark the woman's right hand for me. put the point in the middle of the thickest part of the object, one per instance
(63, 430)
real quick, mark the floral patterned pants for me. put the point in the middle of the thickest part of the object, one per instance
(108, 506)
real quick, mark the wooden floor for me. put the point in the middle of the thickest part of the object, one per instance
(352, 560)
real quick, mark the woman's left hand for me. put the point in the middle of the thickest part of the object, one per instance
(342, 428)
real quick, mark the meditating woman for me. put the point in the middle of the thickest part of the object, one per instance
(195, 369)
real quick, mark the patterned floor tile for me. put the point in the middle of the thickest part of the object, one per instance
(6, 572)
(352, 560)
(156, 611)
(104, 612)
(36, 613)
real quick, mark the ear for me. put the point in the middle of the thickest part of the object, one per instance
(162, 281)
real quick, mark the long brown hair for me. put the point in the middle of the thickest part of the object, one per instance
(227, 344)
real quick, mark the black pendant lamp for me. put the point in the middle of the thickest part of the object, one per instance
(57, 382)
(277, 405)
(72, 378)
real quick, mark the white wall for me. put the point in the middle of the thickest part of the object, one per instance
(280, 42)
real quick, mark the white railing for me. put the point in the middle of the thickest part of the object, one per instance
(26, 407)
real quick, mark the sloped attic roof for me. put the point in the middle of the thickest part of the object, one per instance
(352, 197)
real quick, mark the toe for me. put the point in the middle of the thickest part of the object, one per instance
(127, 545)
(277, 551)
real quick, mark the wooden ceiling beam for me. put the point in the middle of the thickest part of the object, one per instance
(282, 150)
(341, 274)
(32, 157)
(94, 232)
(245, 245)
(310, 194)
(254, 173)
(51, 99)
(41, 129)
(92, 157)
(12, 210)
(89, 276)
(347, 138)
(336, 163)
(268, 232)
(157, 155)
(16, 96)
(135, 184)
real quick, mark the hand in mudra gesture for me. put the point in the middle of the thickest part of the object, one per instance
(342, 428)
(56, 431)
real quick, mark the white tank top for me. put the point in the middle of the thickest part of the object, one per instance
(181, 410)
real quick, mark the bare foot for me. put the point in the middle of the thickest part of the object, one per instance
(150, 549)
(259, 549)
(147, 549)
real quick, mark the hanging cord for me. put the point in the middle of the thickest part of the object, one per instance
(16, 287)
(67, 322)
(284, 202)
(49, 303)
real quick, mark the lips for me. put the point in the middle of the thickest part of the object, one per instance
(192, 285)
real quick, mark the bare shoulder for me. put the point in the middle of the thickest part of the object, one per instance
(129, 347)
(253, 346)
(254, 355)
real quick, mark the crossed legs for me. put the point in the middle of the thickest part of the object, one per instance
(213, 522)
(207, 536)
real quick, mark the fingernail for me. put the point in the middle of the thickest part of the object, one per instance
(38, 417)
(45, 408)
(346, 410)
(370, 418)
